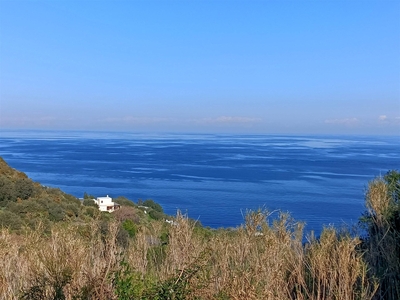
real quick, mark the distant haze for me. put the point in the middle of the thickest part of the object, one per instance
(296, 67)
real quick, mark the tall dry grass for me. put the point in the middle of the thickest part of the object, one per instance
(263, 259)
(382, 246)
(71, 262)
(260, 260)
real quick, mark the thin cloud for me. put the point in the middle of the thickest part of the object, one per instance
(32, 121)
(136, 120)
(229, 120)
(345, 121)
(382, 118)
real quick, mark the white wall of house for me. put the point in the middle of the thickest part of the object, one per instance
(106, 204)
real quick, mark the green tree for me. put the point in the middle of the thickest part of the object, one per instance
(88, 196)
(150, 203)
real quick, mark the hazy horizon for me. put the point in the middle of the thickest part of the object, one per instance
(236, 67)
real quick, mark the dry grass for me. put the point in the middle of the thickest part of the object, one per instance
(378, 200)
(383, 243)
(70, 262)
(263, 259)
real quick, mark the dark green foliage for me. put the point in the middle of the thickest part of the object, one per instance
(164, 237)
(33, 203)
(71, 199)
(150, 203)
(156, 215)
(91, 212)
(26, 209)
(53, 191)
(129, 284)
(124, 201)
(88, 196)
(43, 208)
(123, 238)
(23, 188)
(72, 210)
(10, 220)
(7, 191)
(130, 227)
(89, 202)
(204, 232)
(56, 213)
(48, 287)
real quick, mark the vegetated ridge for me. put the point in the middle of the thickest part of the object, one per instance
(54, 246)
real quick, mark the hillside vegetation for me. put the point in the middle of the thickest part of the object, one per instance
(52, 246)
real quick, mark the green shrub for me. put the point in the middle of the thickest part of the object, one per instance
(71, 210)
(124, 201)
(130, 227)
(71, 199)
(123, 238)
(88, 196)
(26, 208)
(10, 220)
(89, 202)
(23, 188)
(150, 203)
(7, 191)
(92, 212)
(56, 213)
(156, 215)
(129, 284)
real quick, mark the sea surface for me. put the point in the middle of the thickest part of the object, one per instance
(320, 180)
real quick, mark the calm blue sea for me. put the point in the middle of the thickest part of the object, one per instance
(214, 178)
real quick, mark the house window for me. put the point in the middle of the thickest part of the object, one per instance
(101, 201)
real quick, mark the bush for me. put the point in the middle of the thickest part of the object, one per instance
(130, 227)
(88, 196)
(56, 213)
(7, 191)
(10, 220)
(23, 188)
(150, 203)
(124, 201)
(156, 215)
(26, 208)
(91, 211)
(71, 210)
(122, 238)
(89, 202)
(71, 199)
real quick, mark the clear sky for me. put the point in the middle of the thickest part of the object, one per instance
(291, 67)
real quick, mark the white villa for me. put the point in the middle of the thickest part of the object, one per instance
(106, 204)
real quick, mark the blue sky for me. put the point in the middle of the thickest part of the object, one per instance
(292, 67)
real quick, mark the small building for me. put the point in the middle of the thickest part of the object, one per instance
(106, 204)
